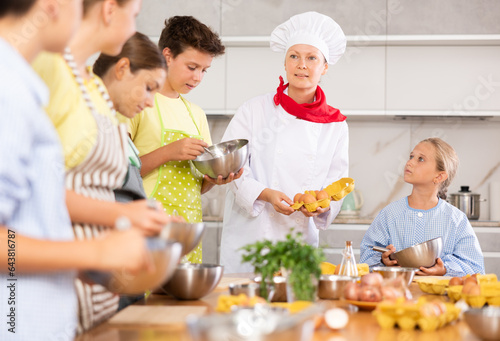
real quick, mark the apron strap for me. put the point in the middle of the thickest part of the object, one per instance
(187, 107)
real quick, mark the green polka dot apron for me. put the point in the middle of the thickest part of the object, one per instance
(177, 188)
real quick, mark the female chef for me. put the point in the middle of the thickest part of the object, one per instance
(297, 142)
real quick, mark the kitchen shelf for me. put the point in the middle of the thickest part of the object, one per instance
(384, 40)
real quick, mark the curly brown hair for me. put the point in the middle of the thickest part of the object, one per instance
(182, 32)
(15, 7)
(140, 51)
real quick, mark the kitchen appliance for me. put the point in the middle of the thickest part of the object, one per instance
(423, 254)
(467, 202)
(351, 205)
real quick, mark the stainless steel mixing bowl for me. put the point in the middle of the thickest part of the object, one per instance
(187, 234)
(166, 256)
(231, 156)
(423, 254)
(331, 287)
(390, 272)
(193, 281)
(484, 322)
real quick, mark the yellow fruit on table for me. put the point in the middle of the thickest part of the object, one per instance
(327, 268)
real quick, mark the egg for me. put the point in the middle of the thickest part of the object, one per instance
(322, 195)
(475, 290)
(468, 287)
(470, 280)
(456, 281)
(307, 198)
(297, 196)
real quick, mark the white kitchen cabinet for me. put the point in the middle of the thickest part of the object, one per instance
(456, 80)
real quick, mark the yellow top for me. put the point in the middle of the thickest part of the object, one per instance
(67, 109)
(145, 128)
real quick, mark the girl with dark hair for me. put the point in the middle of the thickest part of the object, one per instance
(132, 78)
(425, 215)
(95, 145)
(175, 130)
(39, 256)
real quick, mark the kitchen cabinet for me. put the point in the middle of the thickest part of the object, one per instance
(333, 240)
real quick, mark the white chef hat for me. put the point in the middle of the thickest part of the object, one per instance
(311, 28)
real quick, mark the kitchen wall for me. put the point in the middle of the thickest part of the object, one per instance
(413, 69)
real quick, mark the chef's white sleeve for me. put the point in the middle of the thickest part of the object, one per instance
(246, 189)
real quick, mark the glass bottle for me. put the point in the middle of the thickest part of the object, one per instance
(348, 266)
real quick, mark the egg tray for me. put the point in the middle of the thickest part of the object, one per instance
(408, 315)
(336, 191)
(490, 294)
(438, 286)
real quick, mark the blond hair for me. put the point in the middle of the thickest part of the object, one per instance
(446, 161)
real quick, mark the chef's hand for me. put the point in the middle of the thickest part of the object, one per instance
(275, 198)
(221, 181)
(185, 149)
(319, 211)
(437, 270)
(385, 256)
(149, 219)
(123, 250)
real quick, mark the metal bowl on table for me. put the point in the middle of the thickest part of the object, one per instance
(222, 158)
(484, 322)
(187, 234)
(165, 254)
(331, 287)
(391, 272)
(423, 254)
(276, 291)
(249, 289)
(193, 281)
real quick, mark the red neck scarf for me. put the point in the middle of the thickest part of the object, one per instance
(317, 111)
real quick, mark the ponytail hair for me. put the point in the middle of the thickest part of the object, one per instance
(446, 161)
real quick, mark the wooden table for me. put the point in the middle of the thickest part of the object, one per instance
(362, 325)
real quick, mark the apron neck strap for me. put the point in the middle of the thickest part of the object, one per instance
(187, 107)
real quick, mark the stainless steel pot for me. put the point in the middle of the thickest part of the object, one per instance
(467, 202)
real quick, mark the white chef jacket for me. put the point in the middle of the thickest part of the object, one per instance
(287, 154)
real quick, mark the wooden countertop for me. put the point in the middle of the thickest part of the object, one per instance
(362, 325)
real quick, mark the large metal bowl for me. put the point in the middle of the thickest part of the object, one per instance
(331, 287)
(187, 234)
(166, 256)
(390, 272)
(193, 281)
(229, 158)
(484, 322)
(423, 254)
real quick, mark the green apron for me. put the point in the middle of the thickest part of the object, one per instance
(177, 188)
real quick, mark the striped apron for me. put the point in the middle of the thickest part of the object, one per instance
(103, 170)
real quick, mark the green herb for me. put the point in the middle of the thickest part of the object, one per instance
(302, 262)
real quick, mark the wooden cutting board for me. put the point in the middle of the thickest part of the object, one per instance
(423, 278)
(164, 316)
